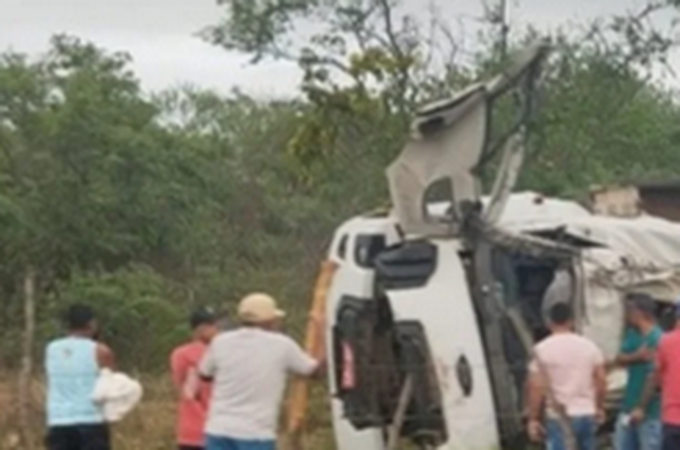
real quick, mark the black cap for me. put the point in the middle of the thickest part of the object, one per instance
(202, 316)
(643, 303)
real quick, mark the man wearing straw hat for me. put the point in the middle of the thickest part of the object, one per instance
(249, 368)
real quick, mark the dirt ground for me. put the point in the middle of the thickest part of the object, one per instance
(149, 427)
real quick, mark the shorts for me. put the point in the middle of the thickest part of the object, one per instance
(670, 439)
(644, 436)
(584, 429)
(79, 437)
(226, 443)
(189, 447)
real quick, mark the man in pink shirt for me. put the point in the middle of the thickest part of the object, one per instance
(572, 368)
(194, 393)
(667, 377)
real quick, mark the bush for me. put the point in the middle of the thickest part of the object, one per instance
(140, 316)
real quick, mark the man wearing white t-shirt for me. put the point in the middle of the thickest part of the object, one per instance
(249, 369)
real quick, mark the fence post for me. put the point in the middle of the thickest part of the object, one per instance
(26, 372)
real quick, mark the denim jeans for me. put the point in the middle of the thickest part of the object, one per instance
(671, 437)
(645, 436)
(226, 443)
(584, 429)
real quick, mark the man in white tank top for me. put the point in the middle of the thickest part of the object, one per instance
(249, 369)
(573, 369)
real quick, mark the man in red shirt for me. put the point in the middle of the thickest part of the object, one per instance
(194, 393)
(667, 377)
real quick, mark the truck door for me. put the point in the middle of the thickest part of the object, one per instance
(352, 314)
(372, 351)
(426, 284)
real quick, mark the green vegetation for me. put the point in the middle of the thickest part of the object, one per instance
(147, 204)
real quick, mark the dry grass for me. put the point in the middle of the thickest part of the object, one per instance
(149, 427)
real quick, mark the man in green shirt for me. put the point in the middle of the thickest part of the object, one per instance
(637, 355)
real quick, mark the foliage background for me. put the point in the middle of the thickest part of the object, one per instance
(148, 204)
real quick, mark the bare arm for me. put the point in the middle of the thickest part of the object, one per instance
(651, 385)
(653, 380)
(536, 395)
(105, 357)
(301, 363)
(600, 383)
(640, 356)
(310, 363)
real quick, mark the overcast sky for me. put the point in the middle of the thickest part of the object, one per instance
(160, 35)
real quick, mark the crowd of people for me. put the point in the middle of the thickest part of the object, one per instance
(567, 385)
(230, 384)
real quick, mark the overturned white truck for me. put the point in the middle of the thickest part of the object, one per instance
(434, 305)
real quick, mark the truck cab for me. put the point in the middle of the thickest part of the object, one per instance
(401, 307)
(435, 305)
(424, 343)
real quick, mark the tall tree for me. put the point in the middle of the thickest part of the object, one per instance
(367, 64)
(88, 179)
